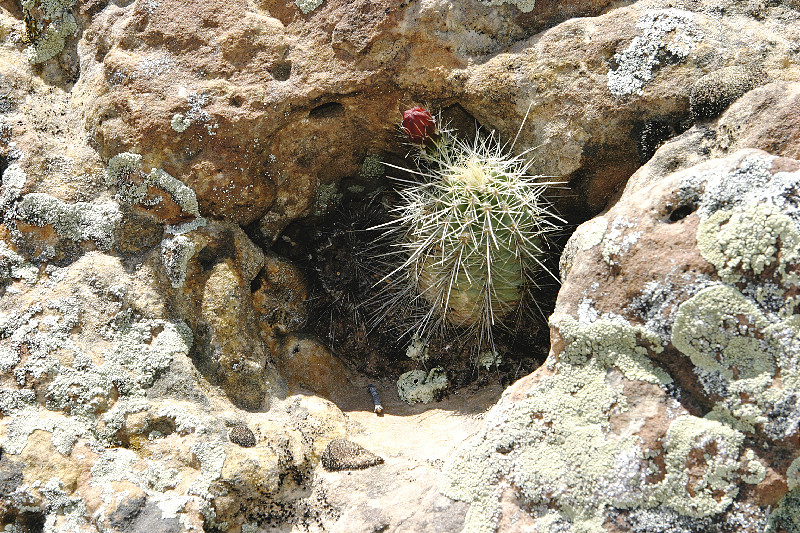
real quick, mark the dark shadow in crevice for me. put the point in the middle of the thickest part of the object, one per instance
(327, 110)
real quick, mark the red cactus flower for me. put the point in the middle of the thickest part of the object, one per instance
(418, 124)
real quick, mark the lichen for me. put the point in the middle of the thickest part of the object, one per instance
(566, 459)
(793, 474)
(748, 241)
(139, 351)
(372, 167)
(211, 457)
(14, 266)
(614, 343)
(617, 241)
(180, 123)
(52, 41)
(307, 6)
(327, 196)
(586, 236)
(14, 179)
(786, 516)
(49, 24)
(418, 349)
(182, 195)
(555, 449)
(667, 34)
(121, 171)
(78, 222)
(712, 493)
(737, 351)
(49, 28)
(418, 386)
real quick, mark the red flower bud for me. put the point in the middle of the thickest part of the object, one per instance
(418, 124)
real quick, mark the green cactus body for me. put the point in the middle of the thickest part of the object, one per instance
(474, 232)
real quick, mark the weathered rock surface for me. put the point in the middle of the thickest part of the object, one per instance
(669, 400)
(148, 147)
(767, 118)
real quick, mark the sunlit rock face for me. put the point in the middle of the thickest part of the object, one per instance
(155, 373)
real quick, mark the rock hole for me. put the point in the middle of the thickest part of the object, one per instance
(681, 212)
(328, 110)
(3, 164)
(281, 70)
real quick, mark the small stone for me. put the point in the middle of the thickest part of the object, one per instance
(341, 454)
(242, 436)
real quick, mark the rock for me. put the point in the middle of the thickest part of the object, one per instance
(242, 436)
(764, 118)
(280, 297)
(100, 397)
(308, 364)
(151, 152)
(668, 401)
(341, 454)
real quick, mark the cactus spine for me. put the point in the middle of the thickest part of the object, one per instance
(473, 232)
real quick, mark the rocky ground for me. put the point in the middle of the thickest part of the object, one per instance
(187, 278)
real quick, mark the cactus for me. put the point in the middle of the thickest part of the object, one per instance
(472, 233)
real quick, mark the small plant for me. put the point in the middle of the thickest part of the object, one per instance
(472, 233)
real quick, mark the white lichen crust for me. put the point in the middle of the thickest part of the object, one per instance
(666, 34)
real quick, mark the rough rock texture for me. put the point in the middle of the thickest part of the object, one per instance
(669, 400)
(767, 118)
(150, 150)
(341, 454)
(100, 398)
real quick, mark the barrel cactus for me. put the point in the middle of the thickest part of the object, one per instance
(472, 230)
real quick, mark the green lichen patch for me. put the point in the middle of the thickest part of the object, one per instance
(180, 122)
(614, 343)
(554, 447)
(78, 222)
(372, 167)
(13, 266)
(747, 242)
(51, 41)
(526, 6)
(713, 491)
(739, 352)
(48, 24)
(665, 32)
(78, 387)
(124, 173)
(183, 195)
(719, 330)
(175, 254)
(307, 6)
(786, 517)
(419, 386)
